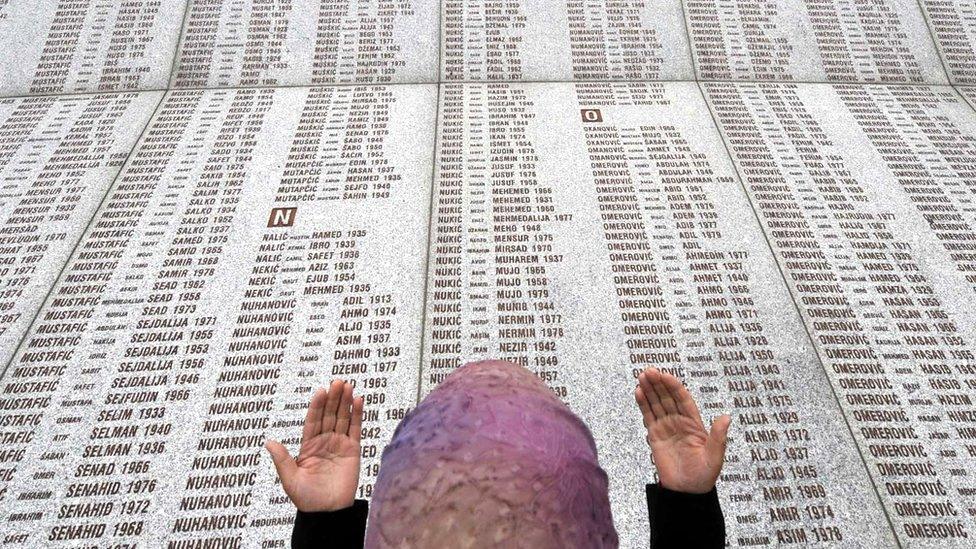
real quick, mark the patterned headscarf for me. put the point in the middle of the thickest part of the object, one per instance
(491, 458)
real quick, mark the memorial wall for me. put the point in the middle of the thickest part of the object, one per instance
(212, 207)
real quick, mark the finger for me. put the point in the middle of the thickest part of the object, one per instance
(313, 417)
(356, 427)
(645, 407)
(651, 395)
(283, 461)
(683, 400)
(345, 412)
(717, 440)
(657, 382)
(332, 405)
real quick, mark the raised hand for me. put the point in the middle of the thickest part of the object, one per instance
(325, 475)
(688, 458)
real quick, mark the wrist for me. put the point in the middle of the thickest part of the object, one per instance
(326, 508)
(697, 491)
(686, 487)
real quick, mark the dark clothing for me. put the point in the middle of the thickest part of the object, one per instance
(684, 520)
(677, 520)
(335, 529)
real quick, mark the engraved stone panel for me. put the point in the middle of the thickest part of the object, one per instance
(812, 40)
(193, 239)
(65, 46)
(258, 243)
(953, 23)
(564, 41)
(866, 194)
(58, 156)
(968, 93)
(302, 42)
(589, 230)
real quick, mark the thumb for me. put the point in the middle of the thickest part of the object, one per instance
(717, 437)
(283, 461)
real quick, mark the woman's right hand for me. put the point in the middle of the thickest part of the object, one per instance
(325, 476)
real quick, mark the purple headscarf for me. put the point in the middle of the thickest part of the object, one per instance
(491, 458)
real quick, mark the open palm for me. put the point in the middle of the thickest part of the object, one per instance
(688, 458)
(325, 475)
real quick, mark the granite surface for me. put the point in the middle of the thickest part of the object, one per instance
(563, 41)
(59, 158)
(649, 255)
(210, 208)
(67, 46)
(813, 41)
(953, 25)
(225, 280)
(306, 42)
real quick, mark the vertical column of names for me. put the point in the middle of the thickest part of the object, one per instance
(483, 40)
(572, 40)
(65, 46)
(207, 305)
(641, 218)
(931, 156)
(493, 239)
(231, 43)
(698, 302)
(57, 158)
(812, 40)
(615, 41)
(886, 323)
(74, 303)
(739, 41)
(953, 23)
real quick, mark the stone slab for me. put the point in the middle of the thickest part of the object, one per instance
(67, 46)
(953, 25)
(813, 41)
(866, 195)
(58, 157)
(257, 244)
(590, 230)
(968, 93)
(307, 42)
(808, 265)
(563, 41)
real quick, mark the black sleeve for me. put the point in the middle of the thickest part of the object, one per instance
(684, 520)
(340, 529)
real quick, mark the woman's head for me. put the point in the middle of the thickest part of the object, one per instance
(491, 457)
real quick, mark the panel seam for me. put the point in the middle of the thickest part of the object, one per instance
(430, 205)
(82, 234)
(796, 306)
